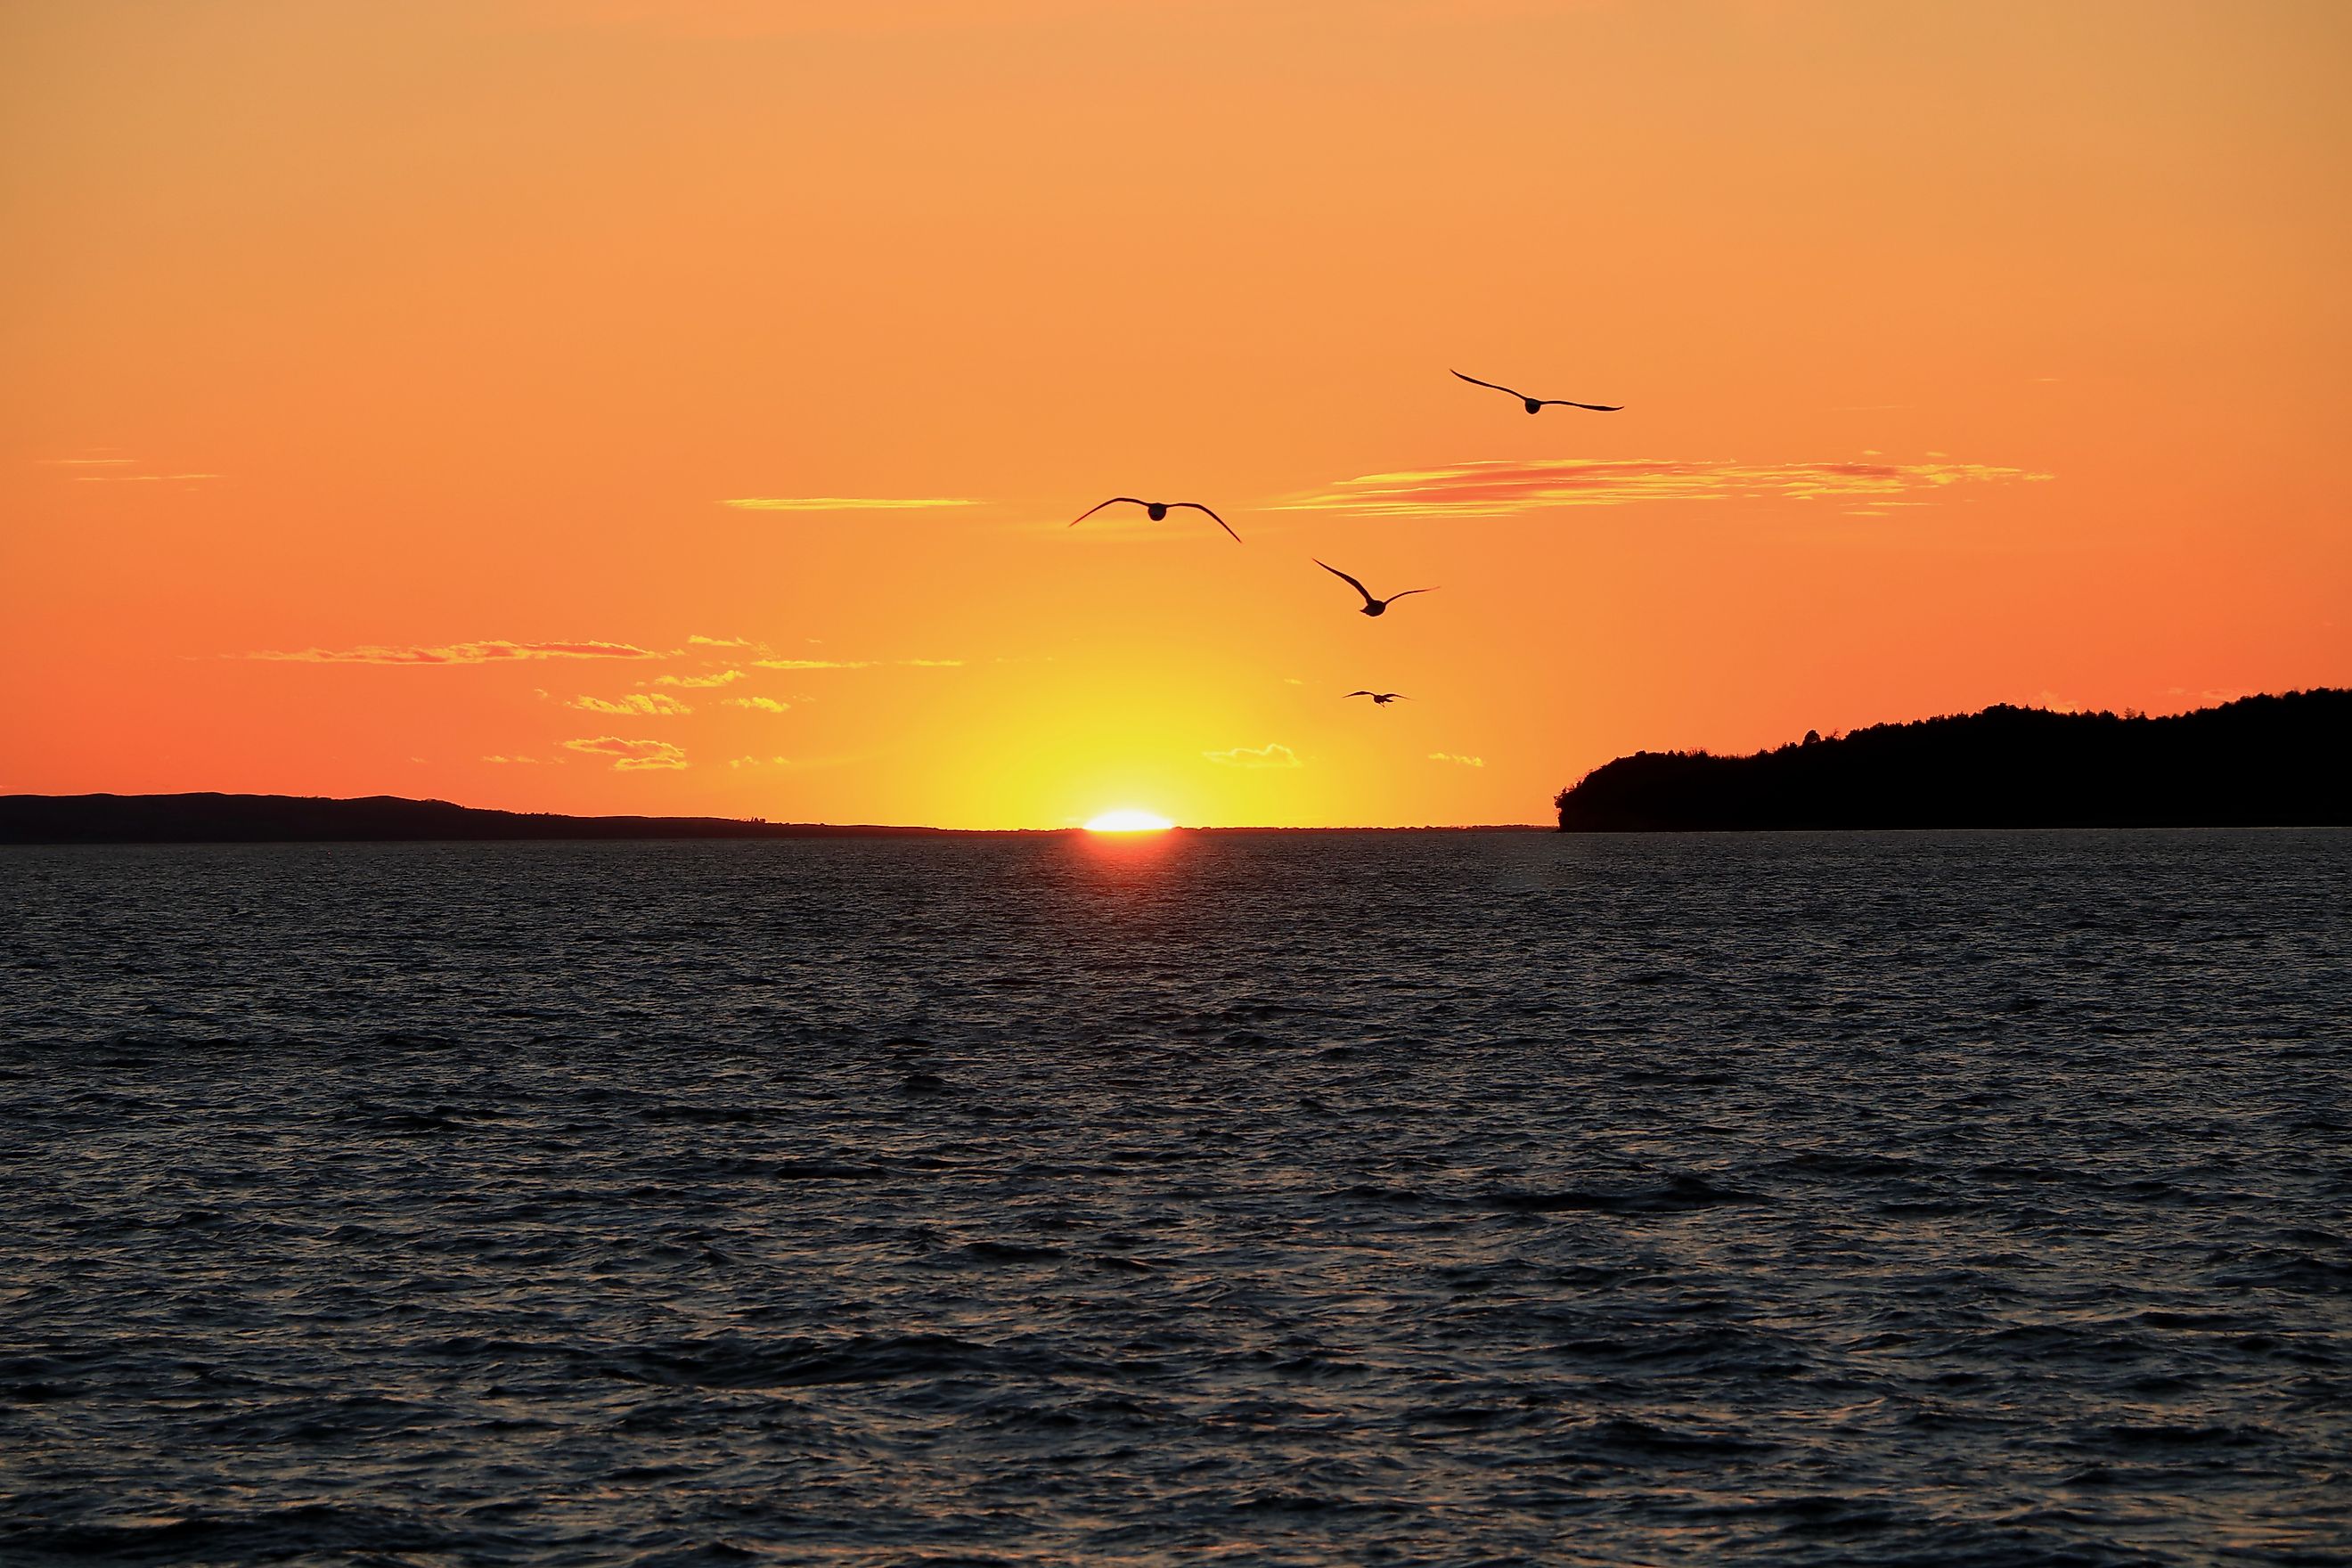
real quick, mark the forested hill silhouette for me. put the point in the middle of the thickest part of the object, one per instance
(2257, 762)
(381, 819)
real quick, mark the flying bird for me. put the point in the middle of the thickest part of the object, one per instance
(1535, 405)
(1157, 511)
(1371, 606)
(1382, 699)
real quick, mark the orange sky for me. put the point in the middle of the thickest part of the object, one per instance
(375, 378)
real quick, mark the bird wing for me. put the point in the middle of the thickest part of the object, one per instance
(1221, 523)
(1363, 694)
(1475, 382)
(1409, 592)
(1098, 506)
(1596, 407)
(1351, 583)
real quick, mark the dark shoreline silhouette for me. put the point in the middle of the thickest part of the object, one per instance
(213, 818)
(210, 818)
(2260, 762)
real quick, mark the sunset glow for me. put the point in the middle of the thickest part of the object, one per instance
(1128, 821)
(594, 406)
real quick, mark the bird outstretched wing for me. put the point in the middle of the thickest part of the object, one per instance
(1098, 506)
(1219, 522)
(1363, 694)
(1409, 592)
(1495, 386)
(1566, 402)
(1351, 583)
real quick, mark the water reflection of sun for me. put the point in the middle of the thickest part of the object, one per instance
(1129, 820)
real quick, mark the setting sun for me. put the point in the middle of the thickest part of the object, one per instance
(1128, 820)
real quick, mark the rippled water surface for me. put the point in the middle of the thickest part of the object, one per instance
(1924, 1198)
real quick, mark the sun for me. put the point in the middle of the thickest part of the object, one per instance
(1129, 820)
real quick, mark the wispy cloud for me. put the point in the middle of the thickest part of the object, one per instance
(653, 704)
(456, 653)
(1457, 758)
(758, 704)
(748, 760)
(1503, 488)
(1266, 756)
(719, 679)
(781, 18)
(847, 503)
(750, 19)
(119, 471)
(855, 663)
(696, 639)
(2205, 697)
(529, 761)
(631, 756)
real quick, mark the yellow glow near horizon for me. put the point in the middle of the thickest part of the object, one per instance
(1129, 820)
(703, 391)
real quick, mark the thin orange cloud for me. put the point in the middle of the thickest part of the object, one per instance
(720, 678)
(1266, 756)
(631, 756)
(758, 704)
(855, 663)
(748, 760)
(654, 704)
(846, 503)
(456, 653)
(1503, 488)
(120, 471)
(780, 18)
(1457, 758)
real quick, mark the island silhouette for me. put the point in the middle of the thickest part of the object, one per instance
(2259, 762)
(212, 818)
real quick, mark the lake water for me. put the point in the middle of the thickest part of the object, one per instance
(1926, 1198)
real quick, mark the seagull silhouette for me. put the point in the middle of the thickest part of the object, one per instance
(1157, 511)
(1382, 699)
(1535, 405)
(1371, 606)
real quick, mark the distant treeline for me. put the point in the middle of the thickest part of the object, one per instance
(2257, 762)
(281, 818)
